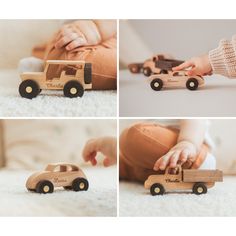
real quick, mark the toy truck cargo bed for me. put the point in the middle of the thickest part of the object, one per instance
(167, 64)
(202, 176)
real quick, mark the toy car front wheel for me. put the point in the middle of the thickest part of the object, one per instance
(192, 84)
(44, 186)
(29, 89)
(157, 189)
(73, 89)
(199, 188)
(147, 71)
(156, 84)
(80, 184)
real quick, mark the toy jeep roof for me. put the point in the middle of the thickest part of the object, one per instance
(65, 175)
(73, 77)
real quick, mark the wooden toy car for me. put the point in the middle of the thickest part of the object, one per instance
(73, 77)
(198, 181)
(155, 65)
(69, 176)
(175, 79)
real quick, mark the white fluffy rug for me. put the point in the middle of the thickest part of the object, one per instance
(219, 201)
(52, 103)
(99, 200)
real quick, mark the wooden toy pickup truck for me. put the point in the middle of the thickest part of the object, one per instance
(69, 176)
(197, 181)
(175, 79)
(155, 65)
(73, 77)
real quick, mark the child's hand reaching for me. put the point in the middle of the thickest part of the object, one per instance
(179, 154)
(196, 65)
(105, 145)
(83, 33)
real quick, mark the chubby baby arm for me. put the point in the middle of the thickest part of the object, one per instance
(189, 142)
(105, 145)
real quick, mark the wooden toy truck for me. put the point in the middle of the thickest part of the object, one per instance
(175, 79)
(155, 65)
(73, 77)
(69, 176)
(197, 181)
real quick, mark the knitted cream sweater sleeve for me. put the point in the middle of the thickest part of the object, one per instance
(223, 58)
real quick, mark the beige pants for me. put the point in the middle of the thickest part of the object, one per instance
(143, 144)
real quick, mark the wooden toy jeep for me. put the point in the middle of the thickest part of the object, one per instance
(155, 65)
(73, 77)
(197, 181)
(69, 176)
(175, 79)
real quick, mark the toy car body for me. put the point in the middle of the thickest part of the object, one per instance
(65, 175)
(158, 64)
(73, 77)
(197, 181)
(175, 79)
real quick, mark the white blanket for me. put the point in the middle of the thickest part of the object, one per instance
(219, 201)
(99, 200)
(52, 103)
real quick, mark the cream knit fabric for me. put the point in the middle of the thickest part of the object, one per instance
(223, 58)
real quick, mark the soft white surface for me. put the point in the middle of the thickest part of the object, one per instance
(99, 200)
(216, 98)
(52, 103)
(219, 201)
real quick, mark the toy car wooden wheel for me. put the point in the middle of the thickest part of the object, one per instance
(199, 188)
(147, 71)
(156, 84)
(44, 186)
(29, 89)
(73, 89)
(192, 84)
(157, 189)
(80, 184)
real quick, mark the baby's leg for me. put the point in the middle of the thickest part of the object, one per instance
(30, 64)
(142, 144)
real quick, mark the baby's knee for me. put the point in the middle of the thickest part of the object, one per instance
(30, 64)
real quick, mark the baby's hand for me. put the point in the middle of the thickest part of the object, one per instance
(77, 34)
(180, 153)
(196, 65)
(105, 145)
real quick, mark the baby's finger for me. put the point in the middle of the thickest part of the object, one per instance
(174, 159)
(107, 162)
(165, 161)
(183, 66)
(183, 156)
(76, 43)
(65, 40)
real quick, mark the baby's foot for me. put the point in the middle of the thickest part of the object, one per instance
(30, 64)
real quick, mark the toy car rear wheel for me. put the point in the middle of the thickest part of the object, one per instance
(80, 184)
(147, 71)
(157, 189)
(156, 84)
(44, 186)
(192, 84)
(29, 89)
(199, 188)
(73, 89)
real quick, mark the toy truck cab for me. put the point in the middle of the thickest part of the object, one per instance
(73, 77)
(177, 179)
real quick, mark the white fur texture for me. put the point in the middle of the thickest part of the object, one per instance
(219, 201)
(99, 200)
(30, 64)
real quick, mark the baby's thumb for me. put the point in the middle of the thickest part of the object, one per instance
(106, 162)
